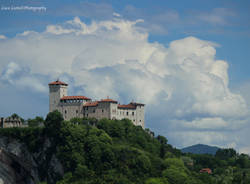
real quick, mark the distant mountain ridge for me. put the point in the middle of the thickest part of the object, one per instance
(200, 149)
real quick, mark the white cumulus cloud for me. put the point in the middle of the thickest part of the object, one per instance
(21, 77)
(184, 86)
(2, 37)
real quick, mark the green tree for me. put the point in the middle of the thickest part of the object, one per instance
(37, 121)
(156, 181)
(175, 175)
(225, 153)
(176, 162)
(163, 148)
(53, 123)
(243, 161)
(15, 116)
(176, 171)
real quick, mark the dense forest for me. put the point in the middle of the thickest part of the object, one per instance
(117, 152)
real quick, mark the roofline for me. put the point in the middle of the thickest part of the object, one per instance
(135, 103)
(75, 98)
(107, 101)
(91, 104)
(126, 107)
(57, 82)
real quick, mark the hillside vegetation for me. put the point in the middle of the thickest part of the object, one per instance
(117, 152)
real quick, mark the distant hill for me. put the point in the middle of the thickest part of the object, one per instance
(200, 149)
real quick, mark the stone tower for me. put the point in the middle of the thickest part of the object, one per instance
(57, 90)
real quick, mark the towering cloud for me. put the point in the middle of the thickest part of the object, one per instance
(184, 86)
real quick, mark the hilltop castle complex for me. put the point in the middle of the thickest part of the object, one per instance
(81, 106)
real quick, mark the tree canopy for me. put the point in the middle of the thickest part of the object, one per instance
(117, 152)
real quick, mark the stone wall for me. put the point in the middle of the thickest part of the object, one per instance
(140, 116)
(135, 115)
(56, 92)
(102, 110)
(71, 110)
(10, 122)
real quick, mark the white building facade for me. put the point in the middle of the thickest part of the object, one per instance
(81, 106)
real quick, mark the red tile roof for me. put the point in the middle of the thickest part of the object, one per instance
(108, 100)
(206, 170)
(57, 82)
(75, 98)
(90, 104)
(129, 106)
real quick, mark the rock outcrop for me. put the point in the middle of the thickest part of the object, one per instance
(19, 166)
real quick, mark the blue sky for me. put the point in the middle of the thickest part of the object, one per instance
(187, 60)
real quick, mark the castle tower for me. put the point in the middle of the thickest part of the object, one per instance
(57, 90)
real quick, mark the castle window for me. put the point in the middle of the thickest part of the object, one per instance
(140, 120)
(65, 112)
(94, 111)
(87, 115)
(102, 110)
(127, 113)
(76, 111)
(133, 113)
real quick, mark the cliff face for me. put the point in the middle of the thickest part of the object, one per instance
(19, 166)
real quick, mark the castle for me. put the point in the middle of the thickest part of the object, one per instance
(81, 106)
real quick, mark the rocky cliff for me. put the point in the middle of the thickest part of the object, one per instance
(20, 166)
